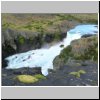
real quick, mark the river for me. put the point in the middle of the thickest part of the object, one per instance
(44, 57)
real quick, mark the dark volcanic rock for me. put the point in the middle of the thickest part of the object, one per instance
(51, 71)
(62, 77)
(87, 35)
(4, 63)
(19, 71)
(9, 75)
(14, 41)
(48, 38)
(63, 35)
(29, 71)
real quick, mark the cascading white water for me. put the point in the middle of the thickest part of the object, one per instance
(44, 57)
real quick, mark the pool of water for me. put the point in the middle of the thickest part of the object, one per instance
(44, 57)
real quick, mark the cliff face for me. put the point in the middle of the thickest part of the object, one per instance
(23, 32)
(20, 41)
(81, 50)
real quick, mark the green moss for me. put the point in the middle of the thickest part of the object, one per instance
(26, 79)
(78, 73)
(81, 71)
(66, 53)
(28, 27)
(69, 17)
(39, 76)
(8, 25)
(50, 22)
(5, 25)
(82, 49)
(30, 78)
(21, 39)
(92, 21)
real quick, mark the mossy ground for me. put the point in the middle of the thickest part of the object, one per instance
(44, 23)
(82, 49)
(42, 28)
(39, 76)
(78, 73)
(26, 79)
(30, 78)
(60, 77)
(21, 40)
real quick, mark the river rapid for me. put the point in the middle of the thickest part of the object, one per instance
(44, 57)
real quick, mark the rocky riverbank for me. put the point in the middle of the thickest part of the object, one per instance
(77, 65)
(81, 49)
(9, 76)
(61, 77)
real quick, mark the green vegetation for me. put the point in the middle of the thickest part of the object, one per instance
(28, 27)
(66, 53)
(27, 79)
(69, 17)
(42, 22)
(39, 76)
(82, 18)
(21, 39)
(8, 25)
(82, 49)
(50, 22)
(53, 24)
(30, 78)
(5, 25)
(78, 51)
(78, 73)
(86, 49)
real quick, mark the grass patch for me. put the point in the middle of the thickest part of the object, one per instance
(66, 53)
(28, 27)
(39, 22)
(78, 73)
